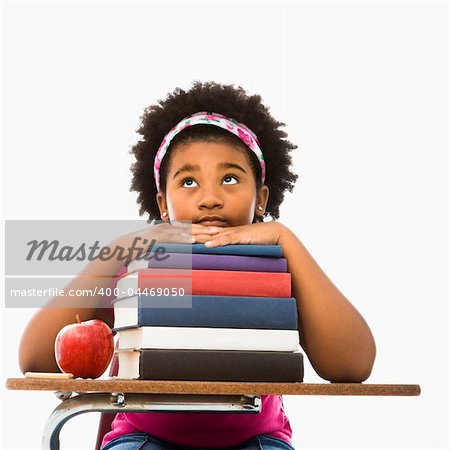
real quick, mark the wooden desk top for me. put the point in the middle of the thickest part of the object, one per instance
(211, 387)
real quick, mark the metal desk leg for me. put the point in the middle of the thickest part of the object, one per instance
(119, 402)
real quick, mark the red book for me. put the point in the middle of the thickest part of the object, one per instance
(205, 282)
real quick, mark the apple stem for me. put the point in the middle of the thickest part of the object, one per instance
(78, 318)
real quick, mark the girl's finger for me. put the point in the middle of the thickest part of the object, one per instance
(205, 230)
(218, 242)
(187, 233)
(201, 238)
(228, 239)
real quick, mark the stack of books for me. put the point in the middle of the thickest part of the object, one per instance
(241, 325)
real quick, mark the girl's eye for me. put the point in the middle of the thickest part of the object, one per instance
(228, 177)
(189, 181)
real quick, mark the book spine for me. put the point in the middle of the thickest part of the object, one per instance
(221, 366)
(220, 282)
(212, 262)
(219, 312)
(272, 251)
(189, 338)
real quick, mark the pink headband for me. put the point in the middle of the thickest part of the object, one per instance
(206, 118)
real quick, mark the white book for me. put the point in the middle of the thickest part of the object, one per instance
(126, 311)
(190, 338)
(136, 265)
(128, 364)
(127, 285)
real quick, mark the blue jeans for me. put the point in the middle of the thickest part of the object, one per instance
(144, 441)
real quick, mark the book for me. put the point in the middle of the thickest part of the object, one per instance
(210, 262)
(205, 365)
(206, 311)
(273, 251)
(207, 282)
(189, 338)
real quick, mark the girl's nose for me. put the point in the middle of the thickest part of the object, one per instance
(210, 198)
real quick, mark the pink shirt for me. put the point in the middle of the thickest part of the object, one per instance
(213, 430)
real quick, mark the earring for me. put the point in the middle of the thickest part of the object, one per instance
(164, 214)
(260, 208)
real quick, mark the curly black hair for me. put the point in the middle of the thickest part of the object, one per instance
(229, 101)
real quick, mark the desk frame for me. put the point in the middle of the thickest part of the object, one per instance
(114, 395)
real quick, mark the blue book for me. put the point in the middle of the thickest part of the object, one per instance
(273, 251)
(206, 311)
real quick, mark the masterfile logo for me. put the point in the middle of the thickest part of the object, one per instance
(42, 258)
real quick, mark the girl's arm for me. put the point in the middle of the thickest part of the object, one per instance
(36, 351)
(333, 334)
(336, 338)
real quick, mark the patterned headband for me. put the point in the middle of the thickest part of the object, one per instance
(207, 118)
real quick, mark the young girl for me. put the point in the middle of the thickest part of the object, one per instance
(215, 156)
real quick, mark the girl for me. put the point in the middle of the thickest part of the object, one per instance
(215, 156)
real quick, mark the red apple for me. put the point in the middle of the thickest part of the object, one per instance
(84, 349)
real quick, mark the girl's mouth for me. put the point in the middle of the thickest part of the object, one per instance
(216, 223)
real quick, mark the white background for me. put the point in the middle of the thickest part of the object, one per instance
(362, 88)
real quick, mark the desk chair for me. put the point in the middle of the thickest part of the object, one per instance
(241, 404)
(106, 419)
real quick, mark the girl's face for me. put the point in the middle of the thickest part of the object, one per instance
(211, 179)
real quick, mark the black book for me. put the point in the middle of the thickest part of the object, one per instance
(210, 365)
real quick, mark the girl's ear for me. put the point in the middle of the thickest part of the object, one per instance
(162, 205)
(261, 200)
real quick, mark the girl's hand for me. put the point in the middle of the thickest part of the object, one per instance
(165, 232)
(255, 233)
